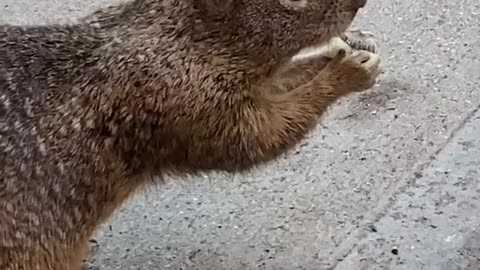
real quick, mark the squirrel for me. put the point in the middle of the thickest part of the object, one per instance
(92, 112)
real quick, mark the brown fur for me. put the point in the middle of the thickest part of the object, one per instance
(88, 112)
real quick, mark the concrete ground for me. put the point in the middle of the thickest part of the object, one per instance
(389, 181)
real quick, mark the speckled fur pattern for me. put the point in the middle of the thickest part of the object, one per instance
(90, 112)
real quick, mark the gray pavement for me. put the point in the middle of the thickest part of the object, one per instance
(389, 181)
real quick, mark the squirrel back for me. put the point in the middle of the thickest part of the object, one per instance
(89, 112)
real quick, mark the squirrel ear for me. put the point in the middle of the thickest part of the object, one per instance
(215, 7)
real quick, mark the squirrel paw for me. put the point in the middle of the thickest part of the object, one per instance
(328, 49)
(352, 40)
(352, 71)
(360, 40)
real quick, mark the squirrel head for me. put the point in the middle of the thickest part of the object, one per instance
(283, 25)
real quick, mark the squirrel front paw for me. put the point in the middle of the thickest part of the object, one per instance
(352, 71)
(360, 40)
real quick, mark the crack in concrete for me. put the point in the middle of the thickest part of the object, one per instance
(386, 204)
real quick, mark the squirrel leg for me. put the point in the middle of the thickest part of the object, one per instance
(260, 124)
(295, 73)
(305, 66)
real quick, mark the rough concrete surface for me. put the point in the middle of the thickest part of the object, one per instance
(388, 181)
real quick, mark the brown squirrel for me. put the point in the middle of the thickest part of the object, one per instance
(90, 112)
